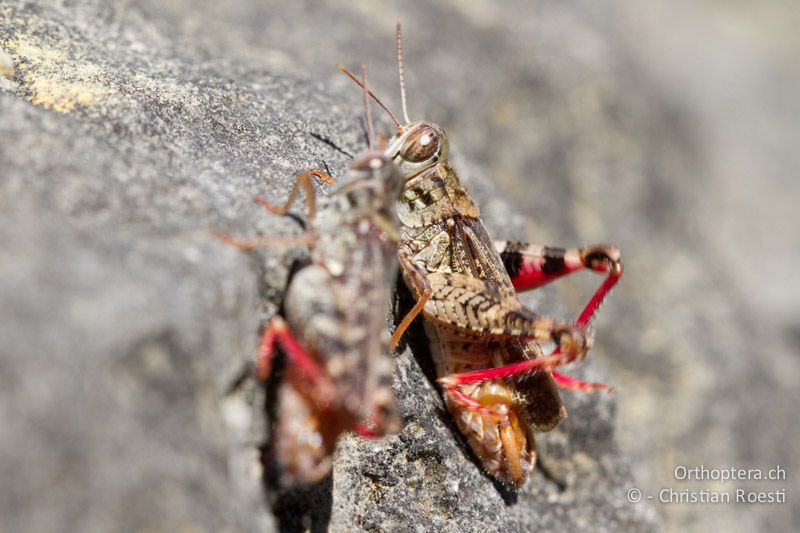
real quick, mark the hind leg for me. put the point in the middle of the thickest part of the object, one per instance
(533, 265)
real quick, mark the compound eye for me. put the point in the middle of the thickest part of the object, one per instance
(377, 163)
(370, 162)
(421, 144)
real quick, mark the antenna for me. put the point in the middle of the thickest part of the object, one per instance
(377, 100)
(367, 113)
(402, 73)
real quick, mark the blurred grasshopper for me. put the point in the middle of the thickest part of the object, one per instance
(334, 332)
(498, 385)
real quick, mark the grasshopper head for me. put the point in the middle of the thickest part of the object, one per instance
(419, 146)
(370, 191)
(373, 171)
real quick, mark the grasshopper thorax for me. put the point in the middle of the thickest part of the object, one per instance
(417, 147)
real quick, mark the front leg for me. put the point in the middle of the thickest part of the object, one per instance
(304, 181)
(246, 245)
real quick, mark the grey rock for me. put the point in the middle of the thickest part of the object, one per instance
(128, 131)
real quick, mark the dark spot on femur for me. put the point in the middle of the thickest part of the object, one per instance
(420, 145)
(553, 262)
(512, 260)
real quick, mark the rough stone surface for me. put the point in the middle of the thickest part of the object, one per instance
(128, 130)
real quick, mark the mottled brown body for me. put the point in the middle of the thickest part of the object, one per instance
(474, 317)
(334, 332)
(337, 308)
(497, 383)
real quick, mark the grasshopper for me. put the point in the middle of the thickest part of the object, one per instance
(498, 384)
(333, 331)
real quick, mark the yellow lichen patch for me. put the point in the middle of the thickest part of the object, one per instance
(64, 97)
(54, 81)
(36, 54)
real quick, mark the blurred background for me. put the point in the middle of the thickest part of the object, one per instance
(668, 128)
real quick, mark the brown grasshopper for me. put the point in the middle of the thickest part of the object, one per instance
(498, 384)
(334, 331)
